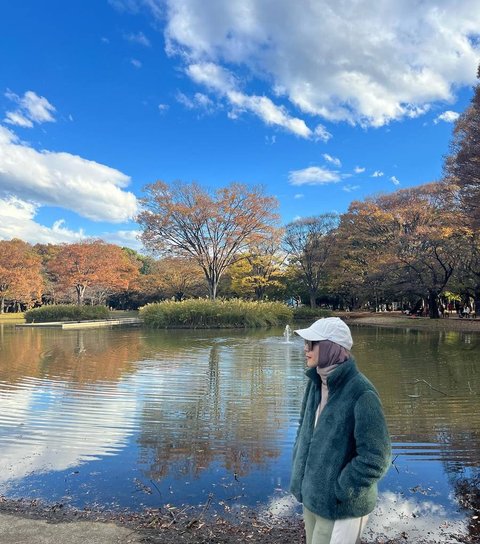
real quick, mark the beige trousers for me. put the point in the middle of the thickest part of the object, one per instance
(326, 531)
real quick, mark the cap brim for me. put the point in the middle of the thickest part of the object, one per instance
(308, 334)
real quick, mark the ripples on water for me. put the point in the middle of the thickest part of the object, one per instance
(127, 417)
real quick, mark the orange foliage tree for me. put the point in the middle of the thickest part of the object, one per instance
(410, 239)
(179, 278)
(214, 229)
(92, 264)
(20, 273)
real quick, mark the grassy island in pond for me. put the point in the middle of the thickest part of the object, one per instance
(210, 314)
(66, 312)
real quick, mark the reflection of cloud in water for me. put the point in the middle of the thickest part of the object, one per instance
(50, 427)
(426, 520)
(421, 521)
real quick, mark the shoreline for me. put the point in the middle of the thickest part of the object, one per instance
(24, 520)
(401, 321)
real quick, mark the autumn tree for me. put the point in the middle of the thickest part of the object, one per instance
(462, 166)
(213, 228)
(92, 263)
(261, 269)
(20, 273)
(467, 273)
(308, 243)
(47, 252)
(410, 239)
(179, 277)
(364, 256)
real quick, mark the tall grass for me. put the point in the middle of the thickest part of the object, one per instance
(66, 312)
(206, 314)
(11, 316)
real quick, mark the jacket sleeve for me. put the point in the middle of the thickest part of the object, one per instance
(372, 455)
(302, 409)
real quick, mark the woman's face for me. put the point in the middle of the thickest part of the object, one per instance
(312, 353)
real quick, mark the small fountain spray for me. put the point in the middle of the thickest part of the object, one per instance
(287, 333)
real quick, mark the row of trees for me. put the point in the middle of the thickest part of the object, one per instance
(412, 244)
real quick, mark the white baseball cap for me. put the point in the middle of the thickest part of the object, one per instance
(328, 328)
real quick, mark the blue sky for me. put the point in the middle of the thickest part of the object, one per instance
(321, 102)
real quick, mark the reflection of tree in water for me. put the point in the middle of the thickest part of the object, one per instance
(77, 357)
(228, 416)
(430, 387)
(467, 492)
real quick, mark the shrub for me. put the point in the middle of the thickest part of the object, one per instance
(66, 312)
(305, 312)
(205, 314)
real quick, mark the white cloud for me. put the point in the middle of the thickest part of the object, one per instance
(139, 38)
(16, 118)
(350, 188)
(198, 101)
(136, 63)
(332, 160)
(90, 189)
(314, 175)
(394, 180)
(447, 116)
(270, 113)
(31, 109)
(377, 174)
(321, 133)
(361, 62)
(18, 222)
(163, 108)
(223, 82)
(185, 100)
(124, 238)
(298, 196)
(359, 170)
(203, 100)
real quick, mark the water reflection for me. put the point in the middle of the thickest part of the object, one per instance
(216, 411)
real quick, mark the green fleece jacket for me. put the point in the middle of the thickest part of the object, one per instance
(337, 464)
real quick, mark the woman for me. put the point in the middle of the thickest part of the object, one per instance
(342, 447)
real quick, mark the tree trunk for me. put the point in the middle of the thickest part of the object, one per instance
(2, 305)
(433, 305)
(477, 299)
(212, 288)
(80, 293)
(313, 301)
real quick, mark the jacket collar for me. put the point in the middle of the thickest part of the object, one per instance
(338, 377)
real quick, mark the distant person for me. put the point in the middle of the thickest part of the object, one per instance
(342, 447)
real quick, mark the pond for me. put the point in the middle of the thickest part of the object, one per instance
(131, 418)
